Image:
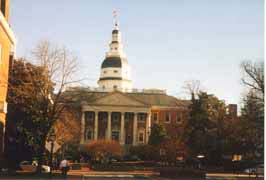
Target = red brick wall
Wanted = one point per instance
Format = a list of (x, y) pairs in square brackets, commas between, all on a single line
[(173, 128)]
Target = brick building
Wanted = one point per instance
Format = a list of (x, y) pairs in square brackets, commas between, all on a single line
[(7, 48), (128, 116), (116, 111)]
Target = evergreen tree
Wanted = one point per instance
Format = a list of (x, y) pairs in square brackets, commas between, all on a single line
[(252, 119), (204, 129), (158, 134)]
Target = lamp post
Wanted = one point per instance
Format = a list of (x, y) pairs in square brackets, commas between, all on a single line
[(200, 157), (51, 138)]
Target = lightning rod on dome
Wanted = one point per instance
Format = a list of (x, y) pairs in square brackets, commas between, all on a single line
[(115, 16)]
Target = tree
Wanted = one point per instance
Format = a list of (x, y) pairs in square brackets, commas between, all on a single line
[(252, 113), (204, 129), (44, 89), (67, 129), (252, 119), (19, 117), (253, 77), (192, 87), (158, 134)]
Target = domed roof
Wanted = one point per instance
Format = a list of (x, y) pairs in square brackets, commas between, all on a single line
[(115, 31), (111, 62)]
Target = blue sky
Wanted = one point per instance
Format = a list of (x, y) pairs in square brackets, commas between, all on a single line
[(166, 42)]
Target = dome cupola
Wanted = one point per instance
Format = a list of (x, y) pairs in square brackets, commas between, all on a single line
[(115, 70)]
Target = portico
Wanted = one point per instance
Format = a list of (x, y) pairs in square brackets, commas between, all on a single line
[(116, 117)]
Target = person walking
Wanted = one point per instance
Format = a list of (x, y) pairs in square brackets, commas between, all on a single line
[(64, 166)]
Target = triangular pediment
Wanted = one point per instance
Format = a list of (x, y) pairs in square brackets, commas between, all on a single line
[(117, 99)]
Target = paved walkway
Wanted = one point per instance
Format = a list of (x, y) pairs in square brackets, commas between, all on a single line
[(231, 176), (86, 171)]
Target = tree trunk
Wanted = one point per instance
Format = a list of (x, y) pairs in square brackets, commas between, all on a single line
[(40, 156)]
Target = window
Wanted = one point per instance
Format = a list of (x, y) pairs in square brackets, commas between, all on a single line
[(141, 137), (89, 116), (167, 117), (104, 72), (115, 135), (115, 71), (142, 118), (155, 116), (89, 135), (178, 119), (128, 139), (115, 119), (115, 86), (115, 48)]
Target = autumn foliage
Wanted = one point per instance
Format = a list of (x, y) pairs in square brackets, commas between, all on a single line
[(101, 150)]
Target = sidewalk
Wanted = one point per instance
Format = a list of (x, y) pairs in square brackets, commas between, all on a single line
[(230, 175), (87, 171)]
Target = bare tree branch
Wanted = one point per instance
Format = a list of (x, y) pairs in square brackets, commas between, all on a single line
[(192, 87), (254, 76)]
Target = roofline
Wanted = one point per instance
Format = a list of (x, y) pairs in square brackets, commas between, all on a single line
[(123, 94), (167, 107)]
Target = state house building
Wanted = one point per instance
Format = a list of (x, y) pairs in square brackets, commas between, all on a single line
[(119, 112)]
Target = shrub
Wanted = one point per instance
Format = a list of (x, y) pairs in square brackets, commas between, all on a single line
[(144, 152), (101, 150)]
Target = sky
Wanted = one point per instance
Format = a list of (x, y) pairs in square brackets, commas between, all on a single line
[(167, 42)]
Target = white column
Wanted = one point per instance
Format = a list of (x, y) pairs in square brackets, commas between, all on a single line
[(109, 133), (122, 127), (135, 128), (82, 127), (96, 126), (148, 127)]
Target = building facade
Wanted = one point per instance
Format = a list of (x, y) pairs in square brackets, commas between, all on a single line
[(118, 112), (7, 49), (127, 117)]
